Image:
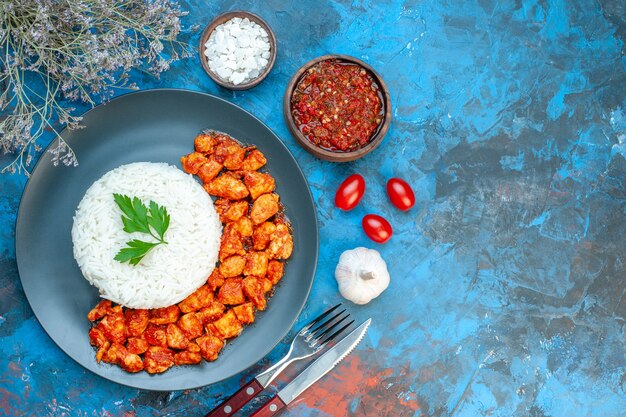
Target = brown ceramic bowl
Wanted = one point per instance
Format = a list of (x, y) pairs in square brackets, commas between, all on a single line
[(222, 19), (337, 156)]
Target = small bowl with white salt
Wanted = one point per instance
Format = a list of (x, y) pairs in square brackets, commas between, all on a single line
[(237, 50)]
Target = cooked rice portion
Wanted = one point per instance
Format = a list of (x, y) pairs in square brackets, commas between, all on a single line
[(169, 272)]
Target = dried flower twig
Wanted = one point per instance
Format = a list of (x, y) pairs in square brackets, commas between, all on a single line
[(57, 51)]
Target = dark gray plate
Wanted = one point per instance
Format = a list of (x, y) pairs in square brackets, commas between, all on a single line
[(155, 126)]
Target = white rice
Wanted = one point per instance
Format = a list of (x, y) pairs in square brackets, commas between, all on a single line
[(169, 272)]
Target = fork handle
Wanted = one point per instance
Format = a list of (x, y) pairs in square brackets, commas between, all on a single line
[(270, 408), (237, 400)]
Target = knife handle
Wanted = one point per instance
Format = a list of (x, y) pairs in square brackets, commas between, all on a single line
[(270, 408), (237, 400)]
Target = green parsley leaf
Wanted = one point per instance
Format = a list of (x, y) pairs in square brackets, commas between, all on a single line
[(134, 252), (159, 220), (137, 217), (135, 214)]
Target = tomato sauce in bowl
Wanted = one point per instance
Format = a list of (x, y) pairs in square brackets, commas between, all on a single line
[(337, 105)]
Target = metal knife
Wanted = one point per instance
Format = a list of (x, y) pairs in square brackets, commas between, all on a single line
[(313, 372)]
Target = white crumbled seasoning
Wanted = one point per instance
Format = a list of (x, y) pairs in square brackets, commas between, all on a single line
[(238, 50)]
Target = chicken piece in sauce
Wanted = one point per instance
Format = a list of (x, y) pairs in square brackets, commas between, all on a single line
[(158, 359), (243, 226), (230, 153), (113, 325), (187, 358), (210, 346), (258, 183), (100, 310), (281, 245), (190, 325), (255, 160), (115, 353), (204, 143), (102, 351), (232, 243), (176, 339), (227, 186), (97, 337), (230, 211), (209, 170), (221, 206), (256, 264), (245, 313), (263, 208), (165, 315), (275, 270), (262, 235), (198, 299), (132, 363), (267, 284), (156, 335), (193, 347), (211, 313), (118, 354), (211, 330), (231, 292), (215, 280), (136, 321), (232, 266), (192, 162), (228, 325), (254, 289), (137, 345)]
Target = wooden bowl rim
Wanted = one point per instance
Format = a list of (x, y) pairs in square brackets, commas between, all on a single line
[(323, 153), (222, 18)]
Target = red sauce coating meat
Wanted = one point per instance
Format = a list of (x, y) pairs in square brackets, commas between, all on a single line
[(255, 242)]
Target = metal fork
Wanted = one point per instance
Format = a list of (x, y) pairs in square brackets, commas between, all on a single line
[(307, 342), (310, 340)]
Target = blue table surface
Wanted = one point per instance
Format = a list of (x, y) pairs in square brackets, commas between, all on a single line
[(508, 289)]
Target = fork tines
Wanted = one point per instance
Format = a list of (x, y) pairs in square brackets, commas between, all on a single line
[(315, 331)]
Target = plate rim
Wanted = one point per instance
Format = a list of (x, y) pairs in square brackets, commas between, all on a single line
[(19, 219)]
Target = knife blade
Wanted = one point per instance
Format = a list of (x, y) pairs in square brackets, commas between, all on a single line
[(312, 373)]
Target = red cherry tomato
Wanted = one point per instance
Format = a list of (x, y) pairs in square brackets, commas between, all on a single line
[(377, 228), (350, 192), (400, 194)]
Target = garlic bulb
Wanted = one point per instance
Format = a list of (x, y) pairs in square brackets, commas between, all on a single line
[(361, 275)]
